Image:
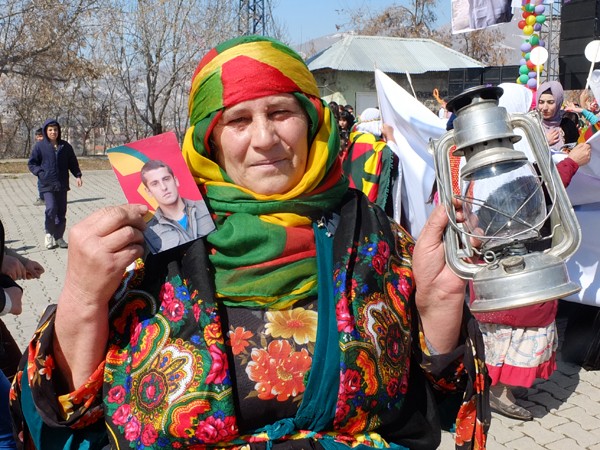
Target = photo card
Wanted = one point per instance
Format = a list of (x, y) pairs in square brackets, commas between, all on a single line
[(152, 171)]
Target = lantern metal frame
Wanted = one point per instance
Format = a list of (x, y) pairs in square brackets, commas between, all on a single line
[(511, 276)]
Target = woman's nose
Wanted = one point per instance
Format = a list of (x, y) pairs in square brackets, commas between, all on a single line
[(264, 133)]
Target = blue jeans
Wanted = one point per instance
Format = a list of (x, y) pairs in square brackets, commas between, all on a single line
[(56, 213), (6, 433)]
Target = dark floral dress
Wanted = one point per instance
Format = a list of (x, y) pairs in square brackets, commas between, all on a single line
[(183, 370)]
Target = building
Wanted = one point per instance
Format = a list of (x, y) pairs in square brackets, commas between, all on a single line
[(344, 70)]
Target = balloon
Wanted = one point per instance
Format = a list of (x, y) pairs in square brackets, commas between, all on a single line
[(523, 79), (526, 14), (530, 20), (526, 47), (528, 30), (521, 24), (530, 65), (519, 80), (541, 43), (537, 26), (527, 56), (531, 83), (541, 68), (534, 39), (540, 19), (529, 7), (523, 70), (522, 62), (539, 9), (532, 74)]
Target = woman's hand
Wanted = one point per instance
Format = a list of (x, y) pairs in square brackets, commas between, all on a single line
[(100, 249), (16, 297), (581, 154), (553, 136), (13, 267), (440, 293)]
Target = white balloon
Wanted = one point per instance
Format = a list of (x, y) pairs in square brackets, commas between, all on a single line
[(592, 51), (538, 56)]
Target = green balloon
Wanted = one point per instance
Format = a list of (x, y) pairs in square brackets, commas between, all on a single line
[(540, 19), (529, 7), (524, 78), (527, 55), (534, 40), (524, 70)]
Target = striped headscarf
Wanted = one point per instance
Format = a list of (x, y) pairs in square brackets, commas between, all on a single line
[(263, 249)]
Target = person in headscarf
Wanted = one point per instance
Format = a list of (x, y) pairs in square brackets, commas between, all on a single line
[(295, 324), (369, 162)]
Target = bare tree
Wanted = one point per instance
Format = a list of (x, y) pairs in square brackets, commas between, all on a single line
[(414, 20), (43, 38), (153, 48)]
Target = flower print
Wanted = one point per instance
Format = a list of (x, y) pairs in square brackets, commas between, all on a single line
[(392, 387), (182, 293), (149, 435), (379, 263), (369, 249), (167, 293), (174, 310), (213, 333), (196, 311), (214, 429), (465, 422), (383, 249), (218, 368), (299, 323), (345, 321), (47, 367), (116, 394), (238, 339), (350, 383), (132, 429), (278, 371), (121, 415)]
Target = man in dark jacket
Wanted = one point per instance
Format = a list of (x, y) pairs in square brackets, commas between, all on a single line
[(51, 161)]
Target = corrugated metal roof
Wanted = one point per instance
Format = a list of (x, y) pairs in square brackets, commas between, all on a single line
[(390, 55)]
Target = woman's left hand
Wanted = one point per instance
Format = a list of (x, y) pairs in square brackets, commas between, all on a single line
[(440, 293)]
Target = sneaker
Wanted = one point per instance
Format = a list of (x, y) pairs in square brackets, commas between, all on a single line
[(39, 202), (49, 241), (62, 243)]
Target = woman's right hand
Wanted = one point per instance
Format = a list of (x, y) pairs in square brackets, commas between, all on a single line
[(100, 249), (552, 136)]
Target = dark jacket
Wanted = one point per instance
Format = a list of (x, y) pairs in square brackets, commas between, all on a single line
[(52, 165)]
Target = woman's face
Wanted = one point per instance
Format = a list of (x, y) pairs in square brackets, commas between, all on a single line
[(262, 144), (547, 106)]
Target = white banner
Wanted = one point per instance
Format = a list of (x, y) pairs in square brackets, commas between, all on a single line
[(414, 124), (471, 15)]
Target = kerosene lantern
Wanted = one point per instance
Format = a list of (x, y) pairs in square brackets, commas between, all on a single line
[(518, 226)]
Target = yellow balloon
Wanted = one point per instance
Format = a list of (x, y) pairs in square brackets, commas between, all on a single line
[(540, 68), (519, 81), (528, 30), (530, 20)]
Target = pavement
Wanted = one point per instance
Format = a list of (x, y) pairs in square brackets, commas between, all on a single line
[(566, 407)]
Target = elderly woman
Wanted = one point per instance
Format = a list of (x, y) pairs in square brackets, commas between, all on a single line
[(294, 324)]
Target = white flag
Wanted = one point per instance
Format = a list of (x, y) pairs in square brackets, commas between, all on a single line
[(414, 124)]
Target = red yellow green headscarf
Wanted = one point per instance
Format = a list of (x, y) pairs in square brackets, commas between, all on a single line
[(263, 248)]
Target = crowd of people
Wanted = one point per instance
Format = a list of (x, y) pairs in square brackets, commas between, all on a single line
[(309, 317)]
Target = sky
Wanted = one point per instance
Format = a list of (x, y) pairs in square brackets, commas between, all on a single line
[(308, 19)]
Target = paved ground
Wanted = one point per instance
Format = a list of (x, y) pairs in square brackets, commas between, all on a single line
[(566, 407)]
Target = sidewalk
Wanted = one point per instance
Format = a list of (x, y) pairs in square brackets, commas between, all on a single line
[(566, 407)]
